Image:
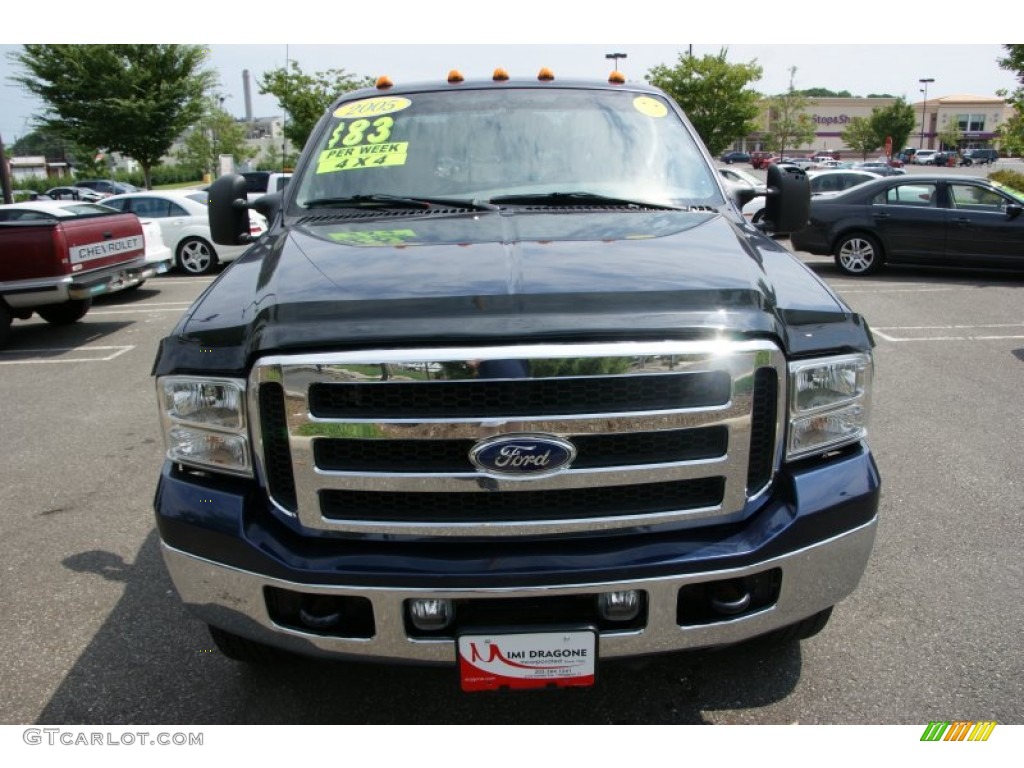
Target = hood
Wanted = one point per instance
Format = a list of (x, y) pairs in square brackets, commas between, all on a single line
[(418, 279)]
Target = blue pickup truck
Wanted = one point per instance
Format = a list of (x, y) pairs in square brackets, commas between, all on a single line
[(510, 384)]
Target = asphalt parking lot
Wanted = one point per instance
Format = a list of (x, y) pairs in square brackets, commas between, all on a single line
[(95, 634)]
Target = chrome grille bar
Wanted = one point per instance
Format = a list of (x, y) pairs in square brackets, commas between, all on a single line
[(372, 377)]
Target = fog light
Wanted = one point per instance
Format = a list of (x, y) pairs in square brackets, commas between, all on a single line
[(619, 606), (431, 615)]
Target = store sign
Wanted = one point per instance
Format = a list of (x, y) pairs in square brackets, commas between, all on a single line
[(831, 119)]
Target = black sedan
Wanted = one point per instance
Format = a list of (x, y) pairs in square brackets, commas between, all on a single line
[(735, 157), (941, 220), (74, 193)]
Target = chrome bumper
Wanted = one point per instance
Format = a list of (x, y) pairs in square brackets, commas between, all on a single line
[(116, 281), (28, 294), (813, 579)]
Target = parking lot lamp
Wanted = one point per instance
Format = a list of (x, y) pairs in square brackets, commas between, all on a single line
[(924, 104), (615, 57)]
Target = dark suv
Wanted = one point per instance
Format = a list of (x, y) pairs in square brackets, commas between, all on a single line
[(979, 157)]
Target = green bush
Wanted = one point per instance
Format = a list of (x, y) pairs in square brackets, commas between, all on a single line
[(1011, 179)]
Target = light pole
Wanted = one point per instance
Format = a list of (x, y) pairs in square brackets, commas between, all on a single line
[(615, 57), (924, 104)]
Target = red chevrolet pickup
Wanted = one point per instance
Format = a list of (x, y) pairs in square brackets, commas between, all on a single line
[(56, 256)]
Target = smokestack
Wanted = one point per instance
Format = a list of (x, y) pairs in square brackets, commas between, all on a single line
[(248, 95)]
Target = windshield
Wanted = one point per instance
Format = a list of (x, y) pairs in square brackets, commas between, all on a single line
[(484, 144)]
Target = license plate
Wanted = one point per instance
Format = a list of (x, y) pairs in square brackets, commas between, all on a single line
[(490, 662)]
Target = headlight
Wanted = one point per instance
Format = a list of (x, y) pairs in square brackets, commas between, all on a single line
[(204, 422), (828, 404)]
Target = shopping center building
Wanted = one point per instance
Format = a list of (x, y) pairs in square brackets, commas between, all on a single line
[(978, 117)]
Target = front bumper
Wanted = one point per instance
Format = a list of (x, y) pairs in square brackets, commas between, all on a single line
[(225, 555)]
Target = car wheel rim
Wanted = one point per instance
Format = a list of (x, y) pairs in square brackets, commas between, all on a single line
[(857, 255), (195, 257)]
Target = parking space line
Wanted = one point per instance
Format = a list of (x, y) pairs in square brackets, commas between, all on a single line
[(138, 311), (182, 280), (117, 352), (881, 332)]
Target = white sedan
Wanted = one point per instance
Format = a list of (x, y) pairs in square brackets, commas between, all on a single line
[(158, 255), (184, 221)]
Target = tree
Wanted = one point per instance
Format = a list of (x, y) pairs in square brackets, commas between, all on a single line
[(825, 93), (133, 99), (273, 160), (714, 94), (897, 120), (304, 98), (1011, 132), (860, 136), (216, 133), (950, 135), (789, 124)]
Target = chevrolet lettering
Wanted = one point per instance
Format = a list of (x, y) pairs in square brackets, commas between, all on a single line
[(523, 392)]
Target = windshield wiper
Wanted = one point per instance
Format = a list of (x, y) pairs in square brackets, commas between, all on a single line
[(396, 201), (577, 198)]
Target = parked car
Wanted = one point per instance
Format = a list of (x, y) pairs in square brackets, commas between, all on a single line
[(979, 157), (822, 182), (906, 156), (881, 167), (803, 163), (762, 159), (184, 221), (735, 157), (734, 176), (74, 193), (943, 220), (106, 187), (157, 256), (259, 183), (57, 255), (925, 157)]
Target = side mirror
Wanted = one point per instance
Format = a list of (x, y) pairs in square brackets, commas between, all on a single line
[(743, 195), (1013, 210), (229, 211), (789, 199)]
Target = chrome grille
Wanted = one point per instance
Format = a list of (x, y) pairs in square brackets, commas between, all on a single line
[(378, 441)]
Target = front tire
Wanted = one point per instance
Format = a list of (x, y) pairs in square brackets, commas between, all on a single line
[(196, 256), (66, 313), (858, 254)]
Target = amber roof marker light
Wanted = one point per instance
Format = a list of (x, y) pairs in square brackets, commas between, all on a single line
[(384, 82), (500, 75), (617, 78), (455, 77), (545, 74)]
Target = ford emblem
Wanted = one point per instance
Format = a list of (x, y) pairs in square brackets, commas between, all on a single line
[(522, 455)]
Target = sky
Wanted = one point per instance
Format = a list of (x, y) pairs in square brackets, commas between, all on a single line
[(422, 41)]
